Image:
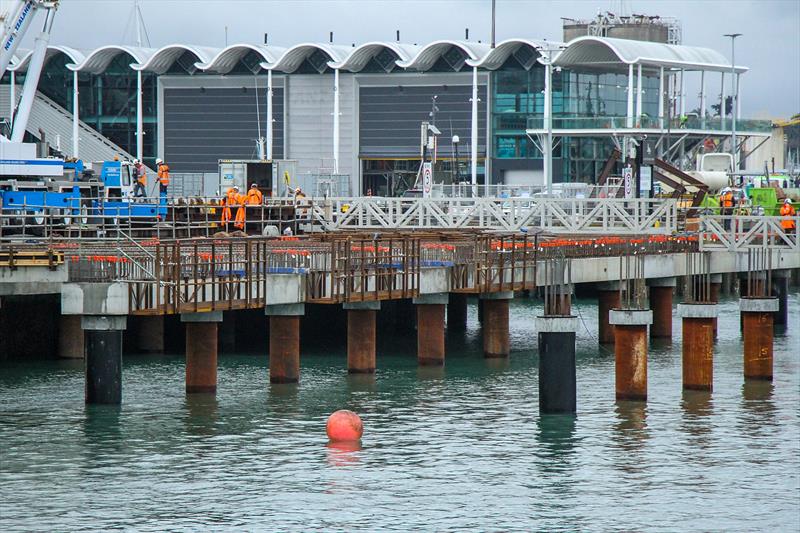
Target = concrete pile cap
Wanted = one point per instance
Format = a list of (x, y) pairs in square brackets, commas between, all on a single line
[(556, 324), (758, 305), (697, 310), (630, 317)]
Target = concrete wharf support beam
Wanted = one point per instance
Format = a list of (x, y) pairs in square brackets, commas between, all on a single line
[(201, 351), (457, 312), (284, 342), (607, 299), (361, 322), (557, 374), (661, 292), (103, 338), (70, 337), (630, 352), (757, 330), (698, 345), (430, 328), (496, 342)]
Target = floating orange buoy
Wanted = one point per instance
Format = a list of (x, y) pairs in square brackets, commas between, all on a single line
[(344, 425)]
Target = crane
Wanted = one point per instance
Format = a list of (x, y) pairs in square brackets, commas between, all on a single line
[(14, 30)]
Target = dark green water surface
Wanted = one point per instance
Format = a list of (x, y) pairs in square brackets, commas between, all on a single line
[(459, 448)]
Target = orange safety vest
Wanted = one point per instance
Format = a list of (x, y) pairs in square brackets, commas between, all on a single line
[(141, 175), (163, 174), (727, 199), (787, 211), (228, 202), (254, 197)]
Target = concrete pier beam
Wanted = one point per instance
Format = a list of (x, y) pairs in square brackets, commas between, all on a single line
[(70, 337), (698, 345), (607, 299), (557, 381), (201, 351), (430, 328), (456, 312), (103, 367), (496, 342), (284, 342), (661, 292), (630, 352), (757, 319), (361, 336)]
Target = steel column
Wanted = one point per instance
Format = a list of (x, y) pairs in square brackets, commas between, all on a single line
[(430, 334), (201, 357), (474, 129), (496, 341), (284, 349), (75, 116), (361, 341)]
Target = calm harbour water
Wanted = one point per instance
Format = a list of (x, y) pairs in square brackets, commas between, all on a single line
[(459, 448)]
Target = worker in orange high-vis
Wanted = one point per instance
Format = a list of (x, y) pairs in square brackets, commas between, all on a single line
[(254, 196), (229, 202), (726, 206), (788, 213), (241, 201), (163, 176)]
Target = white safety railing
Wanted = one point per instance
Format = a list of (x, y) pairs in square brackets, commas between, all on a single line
[(555, 215), (739, 233)]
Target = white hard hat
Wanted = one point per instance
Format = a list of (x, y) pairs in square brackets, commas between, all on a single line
[(135, 161), (787, 201), (159, 161)]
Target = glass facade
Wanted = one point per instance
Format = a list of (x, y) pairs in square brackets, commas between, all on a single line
[(107, 101), (581, 99)]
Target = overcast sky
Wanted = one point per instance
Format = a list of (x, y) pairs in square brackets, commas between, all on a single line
[(770, 45)]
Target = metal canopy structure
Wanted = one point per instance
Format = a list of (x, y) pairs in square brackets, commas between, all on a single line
[(429, 54), (163, 58), (361, 55), (607, 51), (293, 57), (226, 59), (497, 56), (23, 60), (97, 61)]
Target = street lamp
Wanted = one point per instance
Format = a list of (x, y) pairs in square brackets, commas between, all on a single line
[(735, 93)]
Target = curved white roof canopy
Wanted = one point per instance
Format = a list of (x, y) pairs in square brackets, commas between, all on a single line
[(226, 59), (429, 54), (98, 60), (605, 51), (498, 55), (293, 57), (24, 59), (359, 56), (162, 59)]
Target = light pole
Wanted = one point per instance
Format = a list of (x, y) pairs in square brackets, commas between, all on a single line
[(735, 97)]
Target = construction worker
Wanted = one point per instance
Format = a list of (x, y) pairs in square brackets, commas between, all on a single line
[(163, 176), (726, 205), (141, 179), (228, 202), (788, 213), (254, 196), (241, 201)]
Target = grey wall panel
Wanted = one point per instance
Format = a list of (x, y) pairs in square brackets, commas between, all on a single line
[(202, 125), (390, 117), (310, 142)]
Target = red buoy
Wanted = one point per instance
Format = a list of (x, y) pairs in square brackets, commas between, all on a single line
[(344, 425)]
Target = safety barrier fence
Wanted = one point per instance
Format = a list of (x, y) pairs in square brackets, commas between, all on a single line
[(740, 233), (555, 215), (57, 217)]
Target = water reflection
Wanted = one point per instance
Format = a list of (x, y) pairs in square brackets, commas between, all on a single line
[(103, 439), (497, 364), (430, 373), (556, 434), (344, 453), (631, 424), (757, 400), (201, 414), (361, 382), (698, 408)]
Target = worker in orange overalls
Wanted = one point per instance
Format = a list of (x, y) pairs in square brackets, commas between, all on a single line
[(163, 176), (228, 202), (241, 201), (788, 212), (726, 205), (254, 196)]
